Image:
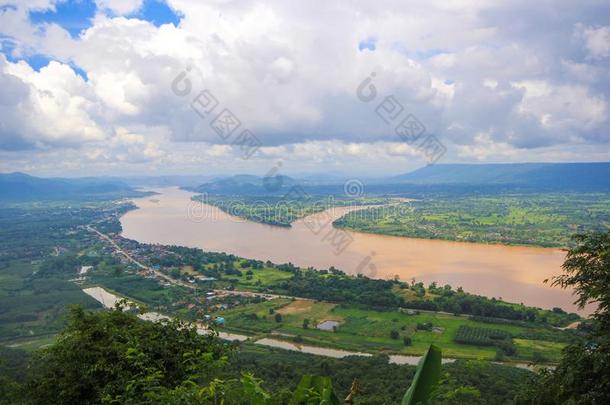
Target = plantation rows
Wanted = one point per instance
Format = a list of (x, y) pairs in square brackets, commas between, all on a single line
[(481, 336)]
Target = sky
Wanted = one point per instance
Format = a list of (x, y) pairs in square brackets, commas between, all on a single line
[(370, 88)]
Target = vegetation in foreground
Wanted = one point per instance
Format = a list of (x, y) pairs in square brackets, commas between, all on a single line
[(583, 374), (112, 356)]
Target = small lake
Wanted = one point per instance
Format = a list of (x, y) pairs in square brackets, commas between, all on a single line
[(513, 273), (328, 325)]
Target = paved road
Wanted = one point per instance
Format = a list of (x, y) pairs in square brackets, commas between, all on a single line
[(139, 264), (257, 294)]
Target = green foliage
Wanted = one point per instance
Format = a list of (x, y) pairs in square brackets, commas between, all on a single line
[(114, 356), (338, 287), (12, 370), (246, 390), (313, 390), (587, 270), (583, 375), (482, 308), (486, 337), (425, 379), (480, 336), (380, 382)]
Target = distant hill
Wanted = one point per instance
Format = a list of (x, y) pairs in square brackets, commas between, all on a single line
[(23, 187), (545, 175), (163, 180), (247, 184), (440, 179)]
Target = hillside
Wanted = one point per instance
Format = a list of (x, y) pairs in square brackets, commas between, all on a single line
[(23, 187), (247, 184), (547, 175)]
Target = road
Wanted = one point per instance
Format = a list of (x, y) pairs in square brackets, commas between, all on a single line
[(258, 294), (139, 264), (180, 282)]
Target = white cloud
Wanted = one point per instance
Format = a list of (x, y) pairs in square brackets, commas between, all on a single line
[(120, 7), (564, 107), (597, 41), (53, 106), (289, 72)]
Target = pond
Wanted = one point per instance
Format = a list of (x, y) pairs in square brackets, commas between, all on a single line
[(328, 325)]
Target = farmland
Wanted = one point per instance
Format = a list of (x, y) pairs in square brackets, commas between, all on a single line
[(514, 219), (381, 332)]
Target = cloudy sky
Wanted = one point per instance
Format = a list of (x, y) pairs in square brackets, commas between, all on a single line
[(188, 86)]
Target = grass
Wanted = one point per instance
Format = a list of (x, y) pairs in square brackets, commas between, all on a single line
[(31, 344), (260, 278), (550, 350)]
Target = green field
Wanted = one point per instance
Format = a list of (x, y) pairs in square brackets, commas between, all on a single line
[(528, 219), (258, 279)]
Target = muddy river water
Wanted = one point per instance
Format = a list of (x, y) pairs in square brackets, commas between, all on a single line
[(514, 273)]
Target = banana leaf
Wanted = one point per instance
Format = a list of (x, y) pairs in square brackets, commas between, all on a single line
[(426, 377), (315, 390)]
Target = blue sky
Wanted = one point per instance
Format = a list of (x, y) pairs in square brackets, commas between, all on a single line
[(88, 84), (76, 16)]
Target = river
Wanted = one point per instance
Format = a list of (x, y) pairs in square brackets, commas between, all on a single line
[(513, 273)]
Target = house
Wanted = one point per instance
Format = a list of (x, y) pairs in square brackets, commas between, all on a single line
[(204, 278)]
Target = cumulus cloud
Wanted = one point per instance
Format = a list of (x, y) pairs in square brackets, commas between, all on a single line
[(51, 107), (120, 7), (289, 73), (597, 41)]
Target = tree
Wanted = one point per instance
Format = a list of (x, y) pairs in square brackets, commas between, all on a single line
[(583, 374), (114, 356), (587, 271), (407, 341), (278, 317), (394, 334), (305, 323)]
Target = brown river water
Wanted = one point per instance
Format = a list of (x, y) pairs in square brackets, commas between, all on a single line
[(513, 273)]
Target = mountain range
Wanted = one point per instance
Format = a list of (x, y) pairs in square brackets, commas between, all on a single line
[(505, 177)]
